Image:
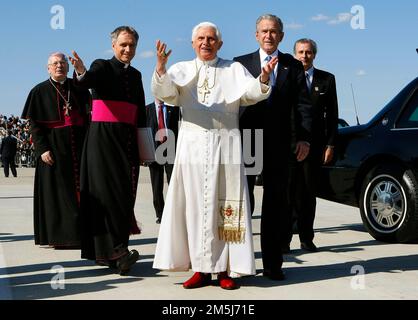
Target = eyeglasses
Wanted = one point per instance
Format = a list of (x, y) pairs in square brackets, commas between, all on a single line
[(56, 63)]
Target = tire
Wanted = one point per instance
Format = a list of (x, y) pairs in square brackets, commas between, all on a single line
[(389, 204)]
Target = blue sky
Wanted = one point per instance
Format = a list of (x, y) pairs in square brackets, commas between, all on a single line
[(378, 60)]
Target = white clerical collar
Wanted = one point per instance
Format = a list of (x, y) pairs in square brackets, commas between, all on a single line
[(263, 54), (125, 65), (60, 82), (210, 63)]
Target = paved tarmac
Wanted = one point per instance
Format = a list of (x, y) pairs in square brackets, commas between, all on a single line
[(351, 265)]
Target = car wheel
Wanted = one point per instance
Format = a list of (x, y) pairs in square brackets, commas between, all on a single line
[(389, 204)]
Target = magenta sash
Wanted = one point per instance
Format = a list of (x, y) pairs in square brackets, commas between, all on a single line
[(114, 111), (73, 120)]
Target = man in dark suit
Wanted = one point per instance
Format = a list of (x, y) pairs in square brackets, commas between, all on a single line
[(8, 154), (289, 96), (305, 174), (161, 117)]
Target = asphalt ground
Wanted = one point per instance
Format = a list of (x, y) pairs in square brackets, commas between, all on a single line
[(350, 265)]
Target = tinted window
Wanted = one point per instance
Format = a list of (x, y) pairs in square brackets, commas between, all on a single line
[(342, 123), (409, 117)]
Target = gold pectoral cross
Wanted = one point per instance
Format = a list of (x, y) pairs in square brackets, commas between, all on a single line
[(204, 90)]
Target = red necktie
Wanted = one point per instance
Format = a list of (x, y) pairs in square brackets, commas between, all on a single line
[(161, 126)]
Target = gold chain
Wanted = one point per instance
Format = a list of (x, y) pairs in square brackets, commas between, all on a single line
[(205, 83), (67, 106)]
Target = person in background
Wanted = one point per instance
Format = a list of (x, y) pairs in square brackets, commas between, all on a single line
[(8, 153), (165, 118), (305, 175)]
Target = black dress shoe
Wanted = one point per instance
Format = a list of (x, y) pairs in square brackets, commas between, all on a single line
[(158, 221), (125, 263), (308, 246), (107, 263), (295, 229), (274, 275), (285, 248)]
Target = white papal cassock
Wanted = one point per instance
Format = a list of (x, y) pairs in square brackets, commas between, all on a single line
[(208, 183)]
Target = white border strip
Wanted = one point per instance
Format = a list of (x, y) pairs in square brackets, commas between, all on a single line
[(5, 289)]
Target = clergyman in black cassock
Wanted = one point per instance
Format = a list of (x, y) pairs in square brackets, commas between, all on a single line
[(110, 164), (57, 112)]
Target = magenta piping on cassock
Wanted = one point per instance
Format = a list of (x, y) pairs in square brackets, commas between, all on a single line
[(114, 111)]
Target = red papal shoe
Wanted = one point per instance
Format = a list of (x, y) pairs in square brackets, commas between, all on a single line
[(226, 282), (198, 280)]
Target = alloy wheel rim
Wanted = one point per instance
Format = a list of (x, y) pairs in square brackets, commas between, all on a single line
[(386, 204)]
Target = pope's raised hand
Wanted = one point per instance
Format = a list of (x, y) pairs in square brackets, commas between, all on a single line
[(268, 68), (77, 63), (162, 57)]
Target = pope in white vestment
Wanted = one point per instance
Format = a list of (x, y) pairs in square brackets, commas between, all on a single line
[(206, 223)]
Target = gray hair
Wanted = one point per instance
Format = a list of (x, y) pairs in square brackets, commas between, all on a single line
[(270, 17), (307, 40), (204, 25), (115, 34), (57, 54)]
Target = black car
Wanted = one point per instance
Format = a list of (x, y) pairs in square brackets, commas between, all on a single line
[(375, 168), (342, 123)]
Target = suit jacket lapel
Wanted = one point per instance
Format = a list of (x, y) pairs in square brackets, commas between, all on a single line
[(254, 66), (315, 87), (256, 63), (168, 116), (282, 72), (154, 116)]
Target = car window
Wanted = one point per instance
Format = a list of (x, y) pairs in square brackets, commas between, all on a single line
[(409, 117), (342, 123)]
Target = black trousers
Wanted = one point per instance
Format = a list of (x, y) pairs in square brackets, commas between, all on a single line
[(9, 162), (157, 183), (303, 183), (275, 215), (251, 185)]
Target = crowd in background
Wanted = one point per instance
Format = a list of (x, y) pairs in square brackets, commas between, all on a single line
[(20, 130)]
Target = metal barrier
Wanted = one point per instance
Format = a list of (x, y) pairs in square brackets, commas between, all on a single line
[(25, 158)]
